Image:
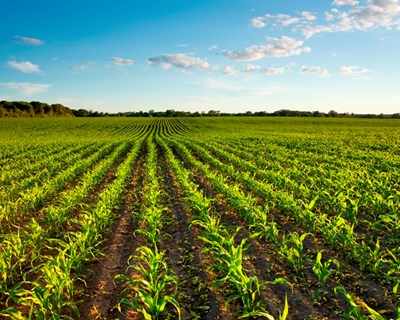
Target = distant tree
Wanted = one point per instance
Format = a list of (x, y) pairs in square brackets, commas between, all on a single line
[(213, 113), (332, 113), (3, 112), (260, 113), (38, 107), (60, 110), (81, 113), (170, 113)]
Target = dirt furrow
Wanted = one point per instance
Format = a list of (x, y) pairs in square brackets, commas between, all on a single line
[(183, 253), (101, 293)]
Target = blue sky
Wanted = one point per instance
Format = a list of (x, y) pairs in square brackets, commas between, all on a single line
[(227, 55)]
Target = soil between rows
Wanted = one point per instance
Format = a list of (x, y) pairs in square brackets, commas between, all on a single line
[(183, 251), (100, 294)]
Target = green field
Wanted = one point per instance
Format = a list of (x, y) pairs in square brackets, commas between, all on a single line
[(200, 218)]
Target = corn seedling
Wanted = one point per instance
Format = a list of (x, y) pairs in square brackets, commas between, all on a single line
[(324, 270), (154, 289), (292, 250), (355, 311)]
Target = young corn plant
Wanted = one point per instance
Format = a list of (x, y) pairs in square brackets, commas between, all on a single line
[(323, 269), (13, 255), (355, 311), (292, 249), (154, 289), (372, 259), (285, 312), (228, 260), (45, 302), (271, 232), (393, 274)]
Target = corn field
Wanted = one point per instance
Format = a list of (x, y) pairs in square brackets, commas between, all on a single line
[(200, 218)]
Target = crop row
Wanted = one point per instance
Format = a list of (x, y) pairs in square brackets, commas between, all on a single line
[(289, 245), (282, 224)]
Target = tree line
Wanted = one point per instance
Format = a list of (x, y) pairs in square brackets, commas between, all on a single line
[(19, 109), (34, 109), (214, 113)]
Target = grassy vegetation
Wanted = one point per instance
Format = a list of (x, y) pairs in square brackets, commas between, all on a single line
[(272, 217)]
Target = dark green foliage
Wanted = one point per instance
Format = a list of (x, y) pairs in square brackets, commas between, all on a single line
[(34, 109)]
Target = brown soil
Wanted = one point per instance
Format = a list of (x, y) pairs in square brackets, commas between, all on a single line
[(197, 301), (101, 293)]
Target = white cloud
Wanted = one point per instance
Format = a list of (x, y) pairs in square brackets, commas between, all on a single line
[(258, 22), (29, 41), (122, 61), (322, 72), (2, 98), (27, 88), (309, 16), (249, 68), (385, 5), (231, 71), (179, 60), (309, 30), (274, 47), (352, 70), (275, 71), (344, 2), (24, 66), (347, 15), (213, 47), (283, 20), (329, 16), (375, 14)]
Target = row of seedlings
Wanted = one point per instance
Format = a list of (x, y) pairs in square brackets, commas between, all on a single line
[(291, 248), (48, 292), (154, 287), (368, 252), (39, 173), (31, 165), (220, 243), (26, 244), (35, 197)]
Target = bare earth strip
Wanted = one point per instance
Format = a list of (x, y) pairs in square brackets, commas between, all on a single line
[(102, 294)]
